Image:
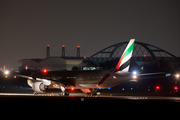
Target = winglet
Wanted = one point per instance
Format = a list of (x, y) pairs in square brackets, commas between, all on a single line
[(123, 63)]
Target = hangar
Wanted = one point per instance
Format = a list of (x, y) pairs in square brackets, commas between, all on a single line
[(146, 58)]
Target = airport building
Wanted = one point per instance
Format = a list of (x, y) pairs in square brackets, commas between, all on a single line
[(52, 63), (146, 58)]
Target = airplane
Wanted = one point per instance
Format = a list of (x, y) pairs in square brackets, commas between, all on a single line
[(89, 81)]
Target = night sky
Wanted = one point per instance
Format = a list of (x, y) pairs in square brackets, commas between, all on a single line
[(27, 26)]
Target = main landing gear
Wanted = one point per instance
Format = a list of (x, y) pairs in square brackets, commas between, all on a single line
[(63, 92), (93, 93)]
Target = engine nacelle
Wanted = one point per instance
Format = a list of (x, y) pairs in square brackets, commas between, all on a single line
[(30, 82), (37, 86)]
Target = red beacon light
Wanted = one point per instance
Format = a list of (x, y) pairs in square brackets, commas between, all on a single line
[(157, 87), (45, 71), (175, 88)]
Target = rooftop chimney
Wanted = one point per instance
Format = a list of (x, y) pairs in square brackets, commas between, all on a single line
[(48, 52), (63, 51), (78, 51)]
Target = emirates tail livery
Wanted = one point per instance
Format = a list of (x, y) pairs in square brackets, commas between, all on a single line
[(89, 81)]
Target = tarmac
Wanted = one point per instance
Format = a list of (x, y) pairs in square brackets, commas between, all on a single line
[(81, 99)]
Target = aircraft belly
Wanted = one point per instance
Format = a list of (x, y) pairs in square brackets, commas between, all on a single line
[(87, 83), (114, 81)]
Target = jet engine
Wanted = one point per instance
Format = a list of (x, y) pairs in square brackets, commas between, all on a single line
[(37, 86)]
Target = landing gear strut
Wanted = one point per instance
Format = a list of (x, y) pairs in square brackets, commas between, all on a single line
[(63, 92), (35, 93), (93, 93)]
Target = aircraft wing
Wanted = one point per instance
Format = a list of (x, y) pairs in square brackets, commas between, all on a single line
[(151, 75)]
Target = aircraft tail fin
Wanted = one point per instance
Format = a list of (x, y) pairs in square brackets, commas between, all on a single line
[(124, 62)]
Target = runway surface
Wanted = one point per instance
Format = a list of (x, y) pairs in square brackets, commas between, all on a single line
[(82, 99), (176, 99)]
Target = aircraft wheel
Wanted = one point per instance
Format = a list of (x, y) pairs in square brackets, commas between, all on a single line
[(35, 93)]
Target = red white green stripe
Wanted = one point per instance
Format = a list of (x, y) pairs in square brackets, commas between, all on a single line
[(127, 54)]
